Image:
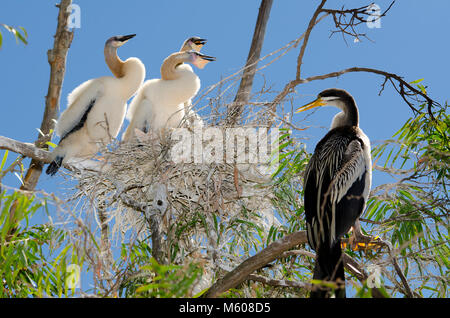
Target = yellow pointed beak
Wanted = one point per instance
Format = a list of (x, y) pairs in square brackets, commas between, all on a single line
[(318, 102)]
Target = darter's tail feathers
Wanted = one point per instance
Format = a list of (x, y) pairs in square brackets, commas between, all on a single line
[(329, 267), (54, 166)]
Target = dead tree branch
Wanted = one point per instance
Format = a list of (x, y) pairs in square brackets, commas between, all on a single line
[(289, 87), (278, 249), (25, 149), (346, 20), (57, 60), (267, 255), (311, 25), (408, 93), (37, 154), (245, 86)]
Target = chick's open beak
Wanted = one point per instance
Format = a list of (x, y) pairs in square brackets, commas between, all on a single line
[(199, 42), (203, 59), (317, 103)]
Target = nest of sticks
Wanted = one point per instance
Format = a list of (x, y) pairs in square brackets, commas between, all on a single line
[(200, 207), (208, 212)]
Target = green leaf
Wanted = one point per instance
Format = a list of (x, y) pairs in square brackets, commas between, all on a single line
[(422, 88), (416, 81), (20, 37), (5, 156), (51, 144), (24, 31)]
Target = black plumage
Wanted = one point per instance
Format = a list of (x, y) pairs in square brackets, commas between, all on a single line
[(336, 185), (81, 122), (57, 162), (54, 166)]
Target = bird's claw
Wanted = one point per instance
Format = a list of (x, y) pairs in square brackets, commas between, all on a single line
[(363, 242)]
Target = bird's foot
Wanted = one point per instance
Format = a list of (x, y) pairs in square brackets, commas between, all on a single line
[(360, 241)]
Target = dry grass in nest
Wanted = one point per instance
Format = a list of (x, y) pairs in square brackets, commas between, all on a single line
[(202, 206), (212, 213)]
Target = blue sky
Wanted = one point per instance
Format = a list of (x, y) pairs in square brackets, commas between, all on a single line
[(412, 42)]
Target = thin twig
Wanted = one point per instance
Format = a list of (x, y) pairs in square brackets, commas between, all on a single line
[(393, 258), (346, 26), (311, 25)]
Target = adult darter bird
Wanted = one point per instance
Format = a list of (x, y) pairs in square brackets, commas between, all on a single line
[(336, 187), (96, 109)]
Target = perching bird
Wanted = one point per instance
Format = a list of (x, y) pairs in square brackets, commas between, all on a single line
[(159, 103), (193, 43), (336, 187), (139, 111), (97, 107)]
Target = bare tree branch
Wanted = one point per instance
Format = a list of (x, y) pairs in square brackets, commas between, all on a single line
[(289, 87), (408, 93), (25, 149), (392, 255), (246, 83), (38, 154), (267, 255), (311, 25), (278, 249), (406, 90), (57, 60), (346, 26)]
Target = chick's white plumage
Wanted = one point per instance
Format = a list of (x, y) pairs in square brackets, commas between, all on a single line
[(162, 103), (96, 108)]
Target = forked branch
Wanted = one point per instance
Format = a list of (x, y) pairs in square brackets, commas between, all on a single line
[(408, 93), (346, 20)]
